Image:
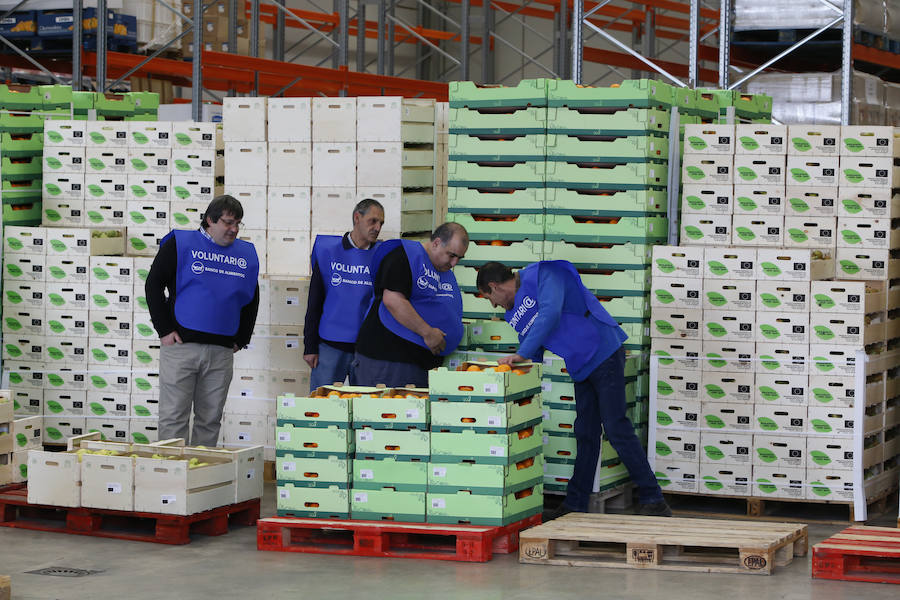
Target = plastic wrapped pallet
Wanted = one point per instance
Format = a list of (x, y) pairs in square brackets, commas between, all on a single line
[(806, 14)]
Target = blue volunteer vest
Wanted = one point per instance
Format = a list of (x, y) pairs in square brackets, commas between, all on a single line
[(435, 296), (213, 283), (574, 338), (347, 277)]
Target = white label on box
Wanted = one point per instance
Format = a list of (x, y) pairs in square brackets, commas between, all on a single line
[(291, 344), (167, 499), (285, 402), (545, 414), (498, 451), (284, 436), (412, 413), (438, 503), (494, 420), (244, 437), (477, 330), (292, 300), (365, 436), (366, 474), (284, 494), (251, 474), (289, 467), (360, 497), (546, 386), (439, 472), (545, 439), (491, 388), (114, 488)]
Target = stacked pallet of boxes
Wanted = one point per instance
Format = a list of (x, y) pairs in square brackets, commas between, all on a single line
[(486, 464), (756, 387), (23, 111), (18, 434)]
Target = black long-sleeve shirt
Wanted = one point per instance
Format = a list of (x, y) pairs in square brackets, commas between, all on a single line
[(315, 305), (161, 280)]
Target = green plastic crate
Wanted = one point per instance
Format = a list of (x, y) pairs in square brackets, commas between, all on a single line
[(485, 417), (485, 448), (528, 174), (387, 504), (616, 256), (478, 479), (512, 254), (625, 203), (23, 214), (491, 335), (626, 308), (325, 503), (313, 472), (501, 147), (467, 94), (644, 93), (486, 385), (562, 449), (476, 307), (600, 176), (315, 411), (22, 191), (474, 509), (18, 96), (26, 144), (706, 105), (629, 282), (23, 167), (384, 411), (641, 230), (493, 201), (145, 102), (403, 476), (602, 149), (638, 335), (56, 96), (510, 228), (114, 105), (21, 122), (631, 121), (311, 442), (523, 120), (409, 445), (684, 98)]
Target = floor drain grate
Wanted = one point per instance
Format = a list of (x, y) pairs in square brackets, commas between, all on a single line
[(62, 572)]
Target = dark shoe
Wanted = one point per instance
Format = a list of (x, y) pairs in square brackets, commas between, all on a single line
[(655, 509), (549, 515)]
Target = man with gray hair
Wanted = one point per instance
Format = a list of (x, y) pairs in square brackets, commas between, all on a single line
[(416, 317), (203, 297), (340, 291)]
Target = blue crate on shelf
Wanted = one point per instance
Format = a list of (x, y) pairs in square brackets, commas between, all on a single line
[(19, 24)]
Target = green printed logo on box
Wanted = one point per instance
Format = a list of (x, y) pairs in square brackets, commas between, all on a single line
[(100, 328), (662, 480), (716, 360), (801, 145), (96, 164), (695, 173), (800, 175), (53, 189), (766, 455), (21, 440), (97, 408), (183, 139), (138, 191), (55, 353), (95, 190), (100, 300), (55, 380), (820, 458), (145, 330), (664, 265), (745, 234), (94, 216), (663, 418), (140, 438), (798, 205), (770, 300), (766, 486), (139, 137), (15, 378), (662, 449), (850, 236), (53, 162), (101, 273), (823, 364), (54, 433), (14, 243), (56, 327), (852, 206), (99, 354), (52, 215), (820, 489), (823, 333), (97, 137), (822, 395), (13, 350), (748, 143), (695, 202), (712, 483), (58, 246), (663, 388), (54, 406), (182, 165), (746, 203), (769, 332), (713, 452), (696, 143), (849, 267), (664, 327), (54, 136), (768, 394), (820, 426), (746, 173), (824, 301), (142, 384), (143, 357), (716, 329), (693, 232), (717, 268), (770, 269), (665, 296), (137, 217), (664, 361), (142, 411), (14, 270), (853, 176), (767, 424), (853, 145), (13, 296), (23, 471), (142, 302), (57, 272), (714, 421), (716, 299), (182, 193), (137, 243), (98, 382), (138, 164)]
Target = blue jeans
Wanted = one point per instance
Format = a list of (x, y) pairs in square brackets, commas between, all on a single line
[(600, 407), (334, 365)]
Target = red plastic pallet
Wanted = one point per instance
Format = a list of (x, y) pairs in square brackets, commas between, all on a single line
[(869, 554), (469, 543), (15, 511)]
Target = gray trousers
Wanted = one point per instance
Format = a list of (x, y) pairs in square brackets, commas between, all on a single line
[(372, 371), (195, 375)]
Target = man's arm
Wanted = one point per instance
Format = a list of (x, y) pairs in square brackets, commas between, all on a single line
[(248, 321), (314, 306), (550, 304), (162, 272), (401, 309)]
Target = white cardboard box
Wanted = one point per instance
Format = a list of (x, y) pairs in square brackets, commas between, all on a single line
[(195, 189), (867, 233), (145, 382), (846, 297), (64, 159), (23, 320), (725, 448), (144, 241), (675, 413), (829, 453), (152, 161), (146, 213), (196, 162), (862, 264), (707, 169), (64, 133), (114, 354), (28, 401), (110, 429), (144, 431), (112, 297), (104, 213), (677, 476), (108, 187), (759, 200), (685, 353), (63, 213), (759, 169), (189, 134), (676, 323), (730, 387), (67, 268), (676, 293), (816, 202), (150, 134), (781, 418), (290, 164), (782, 327), (869, 172), (677, 261), (829, 484), (791, 264), (23, 267), (813, 171), (288, 253), (707, 199), (728, 356), (728, 294), (108, 324), (814, 140), (730, 263), (872, 203), (54, 478), (58, 429), (289, 208), (869, 140), (779, 482), (246, 163), (26, 433), (30, 294), (245, 429), (23, 374), (758, 138), (783, 296), (847, 329), (726, 416), (106, 134), (678, 445), (333, 164), (706, 230), (286, 347), (779, 451), (108, 404), (379, 164), (107, 160), (839, 391), (244, 119), (334, 119), (112, 269), (168, 486), (249, 384), (709, 139), (25, 240), (64, 186), (677, 385), (394, 119), (287, 300), (730, 480), (775, 389), (829, 359), (186, 215), (107, 482), (290, 119), (25, 347), (757, 230), (66, 349), (729, 325)]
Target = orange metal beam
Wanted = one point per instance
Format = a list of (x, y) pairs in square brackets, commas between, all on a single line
[(875, 56)]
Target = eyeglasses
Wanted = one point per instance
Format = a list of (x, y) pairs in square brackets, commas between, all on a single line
[(230, 222)]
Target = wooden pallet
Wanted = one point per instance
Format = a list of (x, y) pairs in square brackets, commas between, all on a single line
[(859, 554), (5, 587), (469, 543), (700, 545), (15, 511)]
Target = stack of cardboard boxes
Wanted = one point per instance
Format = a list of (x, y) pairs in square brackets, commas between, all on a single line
[(18, 435), (215, 26)]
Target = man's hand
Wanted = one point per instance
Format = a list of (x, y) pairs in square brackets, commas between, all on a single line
[(512, 358), (235, 348), (170, 339), (312, 360), (435, 340)]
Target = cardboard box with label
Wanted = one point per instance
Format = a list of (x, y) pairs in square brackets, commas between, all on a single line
[(23, 374), (144, 430), (707, 199), (782, 359), (111, 270), (765, 200), (201, 190), (869, 172), (677, 261), (678, 385), (107, 161), (101, 404), (64, 186), (793, 264), (67, 350), (779, 482), (803, 201), (104, 213), (781, 327), (728, 325), (24, 294), (759, 169), (757, 230), (68, 241), (142, 213), (869, 140), (727, 387), (871, 203), (781, 419), (707, 169), (676, 323), (23, 320), (843, 297), (110, 428), (54, 478), (64, 159), (830, 453), (760, 138), (685, 354), (727, 356), (25, 240), (813, 171), (157, 134), (709, 139), (64, 402), (145, 382), (779, 451), (725, 448), (729, 294), (171, 487), (881, 234), (27, 401), (810, 232), (814, 140), (706, 230), (781, 389), (864, 264), (21, 346), (58, 429), (676, 293), (188, 134), (847, 329), (730, 480), (64, 133), (289, 119), (836, 420), (676, 476), (678, 445), (108, 187), (730, 263), (676, 413), (23, 267), (152, 162), (288, 208), (245, 429), (727, 417), (783, 297), (830, 484)]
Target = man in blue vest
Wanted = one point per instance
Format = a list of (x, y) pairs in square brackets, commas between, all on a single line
[(202, 294), (549, 307), (416, 315), (335, 310)]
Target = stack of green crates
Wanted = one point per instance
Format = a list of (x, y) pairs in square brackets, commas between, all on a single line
[(130, 106), (560, 448), (393, 445), (486, 463), (748, 108), (496, 178), (23, 110), (314, 453)]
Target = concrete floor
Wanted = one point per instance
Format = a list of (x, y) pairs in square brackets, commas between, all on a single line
[(230, 567)]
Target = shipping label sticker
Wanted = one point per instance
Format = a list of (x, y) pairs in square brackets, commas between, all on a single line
[(360, 497), (251, 474), (284, 436), (284, 494), (439, 472), (114, 488), (288, 402), (365, 436), (477, 330), (366, 474), (167, 499), (491, 388), (291, 344), (494, 420), (412, 413), (497, 451), (546, 386), (244, 437), (548, 362), (292, 300), (289, 467), (438, 503)]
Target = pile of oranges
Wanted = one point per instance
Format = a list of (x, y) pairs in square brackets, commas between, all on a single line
[(497, 369)]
